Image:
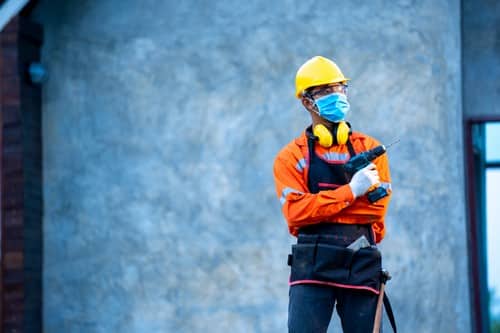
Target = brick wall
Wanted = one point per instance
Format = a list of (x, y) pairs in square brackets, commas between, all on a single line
[(20, 177)]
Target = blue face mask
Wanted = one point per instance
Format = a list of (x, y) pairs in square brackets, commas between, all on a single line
[(333, 107)]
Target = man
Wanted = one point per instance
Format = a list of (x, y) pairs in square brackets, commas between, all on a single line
[(328, 210)]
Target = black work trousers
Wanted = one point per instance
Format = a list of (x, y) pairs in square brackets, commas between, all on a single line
[(311, 306)]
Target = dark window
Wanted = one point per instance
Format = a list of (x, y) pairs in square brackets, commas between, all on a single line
[(484, 227), (492, 174)]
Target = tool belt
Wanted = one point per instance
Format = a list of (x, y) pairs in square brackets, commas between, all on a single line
[(321, 254)]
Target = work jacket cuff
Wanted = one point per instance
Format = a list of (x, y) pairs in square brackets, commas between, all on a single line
[(344, 194)]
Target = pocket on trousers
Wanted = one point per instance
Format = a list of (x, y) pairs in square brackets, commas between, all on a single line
[(302, 261), (332, 263)]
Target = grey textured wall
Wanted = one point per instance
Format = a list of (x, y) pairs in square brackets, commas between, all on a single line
[(481, 57), (161, 122)]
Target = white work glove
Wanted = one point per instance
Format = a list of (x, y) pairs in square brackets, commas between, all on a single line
[(364, 179)]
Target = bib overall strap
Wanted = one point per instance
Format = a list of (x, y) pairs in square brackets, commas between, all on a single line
[(352, 152), (310, 147)]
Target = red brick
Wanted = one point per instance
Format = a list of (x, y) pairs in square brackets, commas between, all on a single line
[(12, 26), (11, 90), (15, 221), (13, 293), (13, 276), (11, 102), (12, 135), (10, 62), (11, 115), (13, 183), (13, 217), (12, 164), (13, 260), (9, 39), (12, 149), (14, 307), (13, 200)]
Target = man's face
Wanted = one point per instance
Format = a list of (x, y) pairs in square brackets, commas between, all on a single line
[(319, 91)]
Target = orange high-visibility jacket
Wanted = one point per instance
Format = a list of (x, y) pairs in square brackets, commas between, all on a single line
[(302, 208)]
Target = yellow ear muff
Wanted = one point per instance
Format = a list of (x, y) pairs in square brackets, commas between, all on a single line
[(324, 135), (343, 131)]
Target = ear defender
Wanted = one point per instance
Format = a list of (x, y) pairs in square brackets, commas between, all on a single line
[(327, 138), (343, 130)]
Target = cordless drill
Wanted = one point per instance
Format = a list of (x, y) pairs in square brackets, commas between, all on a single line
[(360, 161)]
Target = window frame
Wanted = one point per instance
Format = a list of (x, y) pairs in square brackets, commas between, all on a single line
[(475, 168)]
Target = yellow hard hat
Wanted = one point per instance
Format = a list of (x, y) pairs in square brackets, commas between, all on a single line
[(315, 72)]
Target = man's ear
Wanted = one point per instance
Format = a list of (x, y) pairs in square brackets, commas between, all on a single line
[(308, 104)]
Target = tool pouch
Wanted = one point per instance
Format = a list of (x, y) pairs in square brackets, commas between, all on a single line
[(366, 267), (332, 263), (336, 264)]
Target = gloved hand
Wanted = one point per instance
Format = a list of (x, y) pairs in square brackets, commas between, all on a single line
[(364, 179)]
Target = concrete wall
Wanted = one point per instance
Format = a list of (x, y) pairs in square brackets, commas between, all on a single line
[(161, 122)]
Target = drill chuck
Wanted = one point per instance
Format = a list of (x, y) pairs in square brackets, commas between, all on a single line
[(375, 152)]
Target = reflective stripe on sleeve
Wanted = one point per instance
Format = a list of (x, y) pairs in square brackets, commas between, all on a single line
[(285, 192), (301, 164), (335, 156)]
